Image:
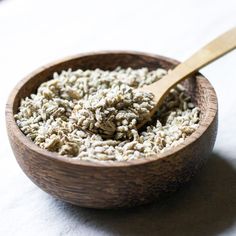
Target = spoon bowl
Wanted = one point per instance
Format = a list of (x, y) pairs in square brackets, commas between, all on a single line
[(114, 184)]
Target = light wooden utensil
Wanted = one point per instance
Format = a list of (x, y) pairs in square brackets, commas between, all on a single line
[(215, 49)]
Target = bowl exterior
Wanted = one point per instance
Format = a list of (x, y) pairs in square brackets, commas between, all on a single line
[(108, 187)]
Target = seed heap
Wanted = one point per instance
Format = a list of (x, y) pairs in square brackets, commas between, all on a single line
[(92, 115), (114, 112)]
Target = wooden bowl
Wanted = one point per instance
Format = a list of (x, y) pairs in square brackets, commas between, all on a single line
[(116, 184)]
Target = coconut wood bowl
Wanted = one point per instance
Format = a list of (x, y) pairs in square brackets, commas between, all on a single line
[(113, 184)]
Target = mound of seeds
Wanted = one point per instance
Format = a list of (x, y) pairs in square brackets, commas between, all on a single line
[(113, 113), (92, 115)]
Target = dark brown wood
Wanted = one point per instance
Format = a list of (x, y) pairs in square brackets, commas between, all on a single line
[(116, 184)]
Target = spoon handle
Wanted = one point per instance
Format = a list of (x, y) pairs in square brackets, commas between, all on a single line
[(215, 49)]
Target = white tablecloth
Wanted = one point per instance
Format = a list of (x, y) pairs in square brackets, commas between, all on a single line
[(33, 33)]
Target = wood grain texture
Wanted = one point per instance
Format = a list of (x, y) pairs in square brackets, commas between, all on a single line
[(116, 184)]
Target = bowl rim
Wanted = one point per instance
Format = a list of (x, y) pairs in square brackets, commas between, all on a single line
[(11, 124)]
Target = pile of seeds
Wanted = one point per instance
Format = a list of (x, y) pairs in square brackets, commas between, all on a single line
[(92, 115), (114, 112)]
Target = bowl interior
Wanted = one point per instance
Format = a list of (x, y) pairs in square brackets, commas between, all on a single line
[(198, 87)]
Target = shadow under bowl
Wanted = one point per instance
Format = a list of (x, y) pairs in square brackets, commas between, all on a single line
[(113, 184)]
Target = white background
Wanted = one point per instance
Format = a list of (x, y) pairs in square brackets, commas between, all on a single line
[(33, 33)]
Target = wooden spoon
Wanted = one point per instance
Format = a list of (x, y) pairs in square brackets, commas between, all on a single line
[(215, 49)]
